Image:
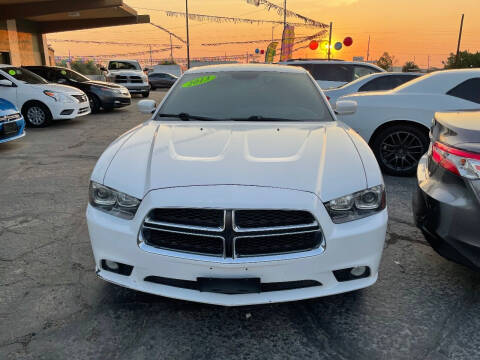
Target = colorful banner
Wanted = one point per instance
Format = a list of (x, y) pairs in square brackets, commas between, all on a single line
[(288, 39), (271, 51)]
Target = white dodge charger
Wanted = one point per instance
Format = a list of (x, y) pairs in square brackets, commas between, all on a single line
[(241, 189)]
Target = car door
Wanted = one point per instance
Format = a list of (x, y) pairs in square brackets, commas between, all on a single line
[(8, 92)]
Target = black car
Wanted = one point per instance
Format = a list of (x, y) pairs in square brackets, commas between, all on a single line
[(446, 204), (161, 80), (101, 94)]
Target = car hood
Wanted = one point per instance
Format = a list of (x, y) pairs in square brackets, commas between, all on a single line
[(7, 108), (309, 157), (58, 87), (102, 83)]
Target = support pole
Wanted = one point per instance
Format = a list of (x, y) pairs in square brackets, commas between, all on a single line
[(188, 36), (330, 41), (459, 40)]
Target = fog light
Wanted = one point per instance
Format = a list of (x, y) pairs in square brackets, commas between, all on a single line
[(353, 273), (358, 271), (112, 265), (116, 267)]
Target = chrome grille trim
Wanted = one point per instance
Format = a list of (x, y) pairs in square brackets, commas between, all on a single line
[(232, 233), (148, 220)]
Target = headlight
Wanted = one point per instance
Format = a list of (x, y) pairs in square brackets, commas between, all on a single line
[(112, 201), (357, 205), (58, 96), (108, 89)]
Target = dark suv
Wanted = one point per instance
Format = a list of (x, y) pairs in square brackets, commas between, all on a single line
[(101, 94)]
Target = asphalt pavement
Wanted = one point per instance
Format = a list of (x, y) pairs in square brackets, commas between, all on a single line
[(52, 306)]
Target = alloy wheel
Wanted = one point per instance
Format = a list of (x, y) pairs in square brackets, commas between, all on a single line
[(36, 115), (401, 150)]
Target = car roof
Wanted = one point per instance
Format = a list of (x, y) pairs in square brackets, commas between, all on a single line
[(439, 81), (246, 67), (124, 60), (325, 61)]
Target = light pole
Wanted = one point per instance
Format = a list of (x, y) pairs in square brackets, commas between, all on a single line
[(188, 36)]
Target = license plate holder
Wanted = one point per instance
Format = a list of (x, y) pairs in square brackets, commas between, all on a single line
[(9, 128), (229, 286)]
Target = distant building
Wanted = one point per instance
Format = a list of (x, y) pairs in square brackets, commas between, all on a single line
[(24, 23)]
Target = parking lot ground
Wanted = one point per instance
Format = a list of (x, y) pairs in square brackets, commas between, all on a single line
[(52, 306)]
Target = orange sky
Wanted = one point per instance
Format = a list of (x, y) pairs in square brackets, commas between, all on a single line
[(408, 29)]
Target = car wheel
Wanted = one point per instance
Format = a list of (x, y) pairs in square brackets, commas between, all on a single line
[(398, 149), (37, 115), (94, 103), (146, 94)]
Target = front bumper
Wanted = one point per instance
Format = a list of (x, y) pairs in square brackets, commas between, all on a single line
[(446, 209), (115, 100), (358, 243), (13, 136), (137, 88), (63, 111)]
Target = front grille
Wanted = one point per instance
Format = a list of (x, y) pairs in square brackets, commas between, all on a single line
[(83, 110), (136, 79), (272, 218), (190, 217), (184, 242), (264, 287), (276, 244), (231, 233), (121, 79), (81, 98)]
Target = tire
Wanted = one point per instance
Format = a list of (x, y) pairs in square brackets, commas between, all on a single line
[(398, 149), (36, 114), (152, 87), (146, 94), (94, 103)]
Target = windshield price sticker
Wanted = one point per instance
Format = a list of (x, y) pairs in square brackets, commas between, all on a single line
[(12, 72), (199, 81), (63, 72)]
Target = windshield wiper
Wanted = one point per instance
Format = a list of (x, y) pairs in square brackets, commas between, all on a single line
[(187, 117), (261, 118)]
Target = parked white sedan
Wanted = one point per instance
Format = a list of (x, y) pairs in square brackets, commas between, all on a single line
[(39, 101), (396, 123), (242, 189), (373, 82)]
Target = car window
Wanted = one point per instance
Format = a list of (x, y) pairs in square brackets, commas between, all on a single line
[(387, 82), (360, 71), (328, 72), (158, 76), (468, 90), (121, 65), (243, 94), (40, 72), (23, 75)]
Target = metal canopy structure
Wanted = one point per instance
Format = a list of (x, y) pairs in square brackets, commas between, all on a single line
[(65, 15)]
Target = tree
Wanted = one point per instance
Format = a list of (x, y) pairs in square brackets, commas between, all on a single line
[(386, 61), (465, 60), (86, 68), (410, 66)]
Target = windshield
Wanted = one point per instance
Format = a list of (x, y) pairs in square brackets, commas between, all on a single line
[(73, 75), (122, 65), (23, 75), (251, 95)]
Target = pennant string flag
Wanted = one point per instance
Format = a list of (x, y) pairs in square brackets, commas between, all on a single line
[(280, 10), (169, 32)]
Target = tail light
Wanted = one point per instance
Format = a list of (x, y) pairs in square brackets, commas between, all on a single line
[(459, 162)]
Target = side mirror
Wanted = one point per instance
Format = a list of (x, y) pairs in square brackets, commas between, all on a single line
[(346, 107), (6, 83), (147, 106)]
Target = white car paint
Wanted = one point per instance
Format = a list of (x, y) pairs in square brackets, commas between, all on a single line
[(238, 165), (329, 84), (22, 93), (128, 75), (415, 101), (333, 94)]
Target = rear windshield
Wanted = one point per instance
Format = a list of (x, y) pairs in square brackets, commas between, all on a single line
[(122, 65), (244, 94), (24, 75), (328, 72)]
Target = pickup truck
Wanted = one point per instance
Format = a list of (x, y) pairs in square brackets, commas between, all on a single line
[(128, 73)]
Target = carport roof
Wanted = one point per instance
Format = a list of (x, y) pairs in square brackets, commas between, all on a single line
[(65, 15)]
